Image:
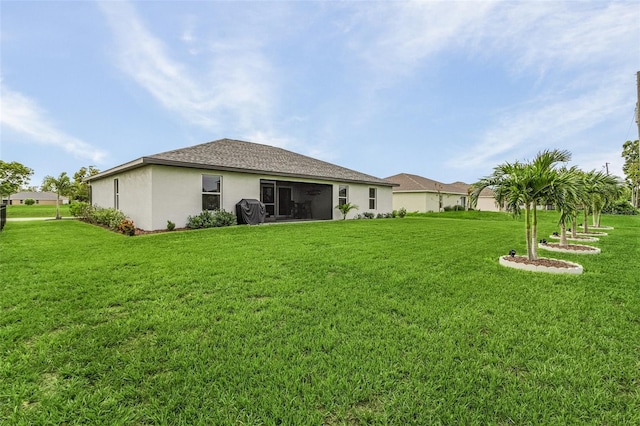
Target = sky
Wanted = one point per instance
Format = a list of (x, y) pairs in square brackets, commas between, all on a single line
[(442, 89)]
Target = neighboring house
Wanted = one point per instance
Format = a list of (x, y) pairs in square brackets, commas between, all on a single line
[(487, 202), (176, 184), (46, 198), (419, 194)]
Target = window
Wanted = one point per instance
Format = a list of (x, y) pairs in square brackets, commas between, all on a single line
[(343, 194), (116, 194), (211, 189), (372, 198)]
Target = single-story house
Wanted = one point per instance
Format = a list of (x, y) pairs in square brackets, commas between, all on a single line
[(176, 184), (45, 198), (419, 194)]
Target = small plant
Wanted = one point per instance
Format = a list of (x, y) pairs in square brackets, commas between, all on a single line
[(346, 208), (379, 216), (402, 212), (368, 215), (127, 227), (170, 226), (29, 201), (394, 214)]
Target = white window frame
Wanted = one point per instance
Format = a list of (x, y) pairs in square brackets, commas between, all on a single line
[(346, 194), (218, 193), (116, 194), (373, 200)]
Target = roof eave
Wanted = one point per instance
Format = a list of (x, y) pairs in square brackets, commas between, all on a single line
[(143, 161)]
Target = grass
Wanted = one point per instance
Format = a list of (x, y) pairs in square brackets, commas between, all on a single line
[(20, 211), (390, 321)]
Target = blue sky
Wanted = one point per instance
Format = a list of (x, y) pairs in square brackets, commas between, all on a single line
[(445, 90)]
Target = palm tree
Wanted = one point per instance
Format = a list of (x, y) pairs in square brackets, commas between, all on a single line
[(599, 189), (346, 208), (524, 184), (565, 196), (61, 186)]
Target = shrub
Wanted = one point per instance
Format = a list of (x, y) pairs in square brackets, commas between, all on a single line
[(214, 219), (402, 212), (368, 215), (29, 201), (81, 209), (170, 226), (394, 213), (127, 227), (109, 217), (620, 207)]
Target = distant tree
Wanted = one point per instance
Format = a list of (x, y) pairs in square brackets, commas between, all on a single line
[(13, 176), (631, 169), (80, 187), (61, 186)]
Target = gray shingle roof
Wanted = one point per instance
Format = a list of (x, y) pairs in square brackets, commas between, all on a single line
[(235, 155), (41, 196), (409, 182), (415, 183)]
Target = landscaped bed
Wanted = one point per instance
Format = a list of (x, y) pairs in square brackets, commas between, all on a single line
[(389, 321)]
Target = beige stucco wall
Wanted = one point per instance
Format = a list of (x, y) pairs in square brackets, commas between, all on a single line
[(359, 195), (153, 194), (487, 204), (424, 201)]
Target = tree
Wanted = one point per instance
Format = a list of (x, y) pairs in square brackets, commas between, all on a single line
[(80, 187), (61, 186), (631, 169), (346, 208), (599, 190), (524, 185), (13, 176), (565, 196)]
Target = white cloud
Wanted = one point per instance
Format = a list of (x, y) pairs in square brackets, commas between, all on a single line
[(233, 90), (548, 122), (23, 115)]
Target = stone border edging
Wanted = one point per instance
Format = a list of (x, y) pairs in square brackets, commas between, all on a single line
[(595, 250), (576, 269), (595, 234), (587, 239)]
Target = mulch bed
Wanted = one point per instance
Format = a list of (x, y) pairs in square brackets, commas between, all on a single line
[(159, 231), (539, 262), (572, 247)]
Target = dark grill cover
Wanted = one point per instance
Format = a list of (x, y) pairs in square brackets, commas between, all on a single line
[(251, 212)]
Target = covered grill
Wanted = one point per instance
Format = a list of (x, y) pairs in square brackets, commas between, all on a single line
[(250, 212)]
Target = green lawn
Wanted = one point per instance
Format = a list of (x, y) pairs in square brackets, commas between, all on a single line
[(16, 211), (388, 321)]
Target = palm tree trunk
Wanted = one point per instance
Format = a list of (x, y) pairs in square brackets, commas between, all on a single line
[(57, 206), (585, 226), (563, 235), (534, 231), (527, 219), (574, 225)]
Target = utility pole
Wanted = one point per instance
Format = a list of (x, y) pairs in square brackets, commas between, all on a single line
[(637, 184)]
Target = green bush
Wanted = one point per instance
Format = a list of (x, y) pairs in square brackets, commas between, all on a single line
[(81, 209), (402, 212), (621, 207), (208, 219), (170, 226), (29, 201)]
